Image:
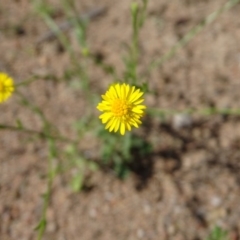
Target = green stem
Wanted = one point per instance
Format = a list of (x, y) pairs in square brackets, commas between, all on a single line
[(204, 111), (39, 133), (30, 80), (47, 195)]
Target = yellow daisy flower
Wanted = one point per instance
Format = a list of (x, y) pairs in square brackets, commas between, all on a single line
[(6, 87), (121, 107)]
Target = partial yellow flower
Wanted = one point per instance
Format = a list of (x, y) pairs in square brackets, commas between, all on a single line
[(121, 107), (6, 87)]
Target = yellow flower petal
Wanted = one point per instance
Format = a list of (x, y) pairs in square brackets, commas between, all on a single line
[(136, 96), (105, 117), (6, 87), (122, 108), (122, 129), (117, 125), (113, 124), (138, 101)]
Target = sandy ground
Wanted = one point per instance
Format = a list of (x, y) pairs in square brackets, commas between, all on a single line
[(190, 181)]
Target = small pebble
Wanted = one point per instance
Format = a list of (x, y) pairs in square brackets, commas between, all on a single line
[(216, 201), (108, 196), (93, 213), (182, 120), (147, 209), (140, 233)]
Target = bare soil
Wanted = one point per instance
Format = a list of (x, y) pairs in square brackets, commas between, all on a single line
[(191, 180)]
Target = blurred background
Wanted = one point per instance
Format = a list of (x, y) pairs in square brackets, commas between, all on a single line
[(176, 177)]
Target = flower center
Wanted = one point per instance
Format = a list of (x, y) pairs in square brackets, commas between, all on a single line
[(120, 108)]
